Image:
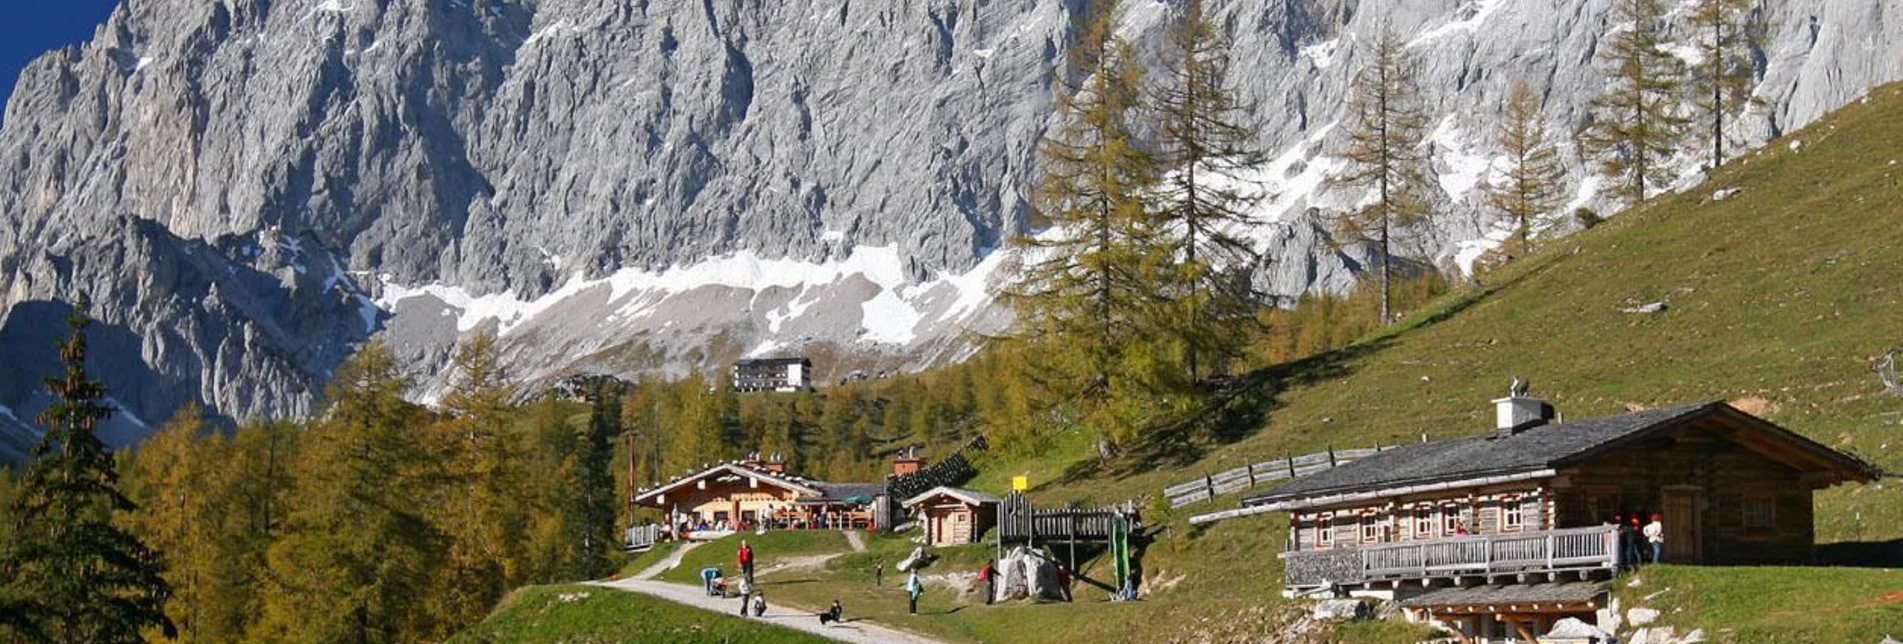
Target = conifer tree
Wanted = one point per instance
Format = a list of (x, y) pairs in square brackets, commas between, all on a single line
[(589, 512), (1636, 123), (1386, 152), (476, 453), (1080, 295), (1727, 32), (1530, 187), (355, 564), (1204, 143), (69, 573)]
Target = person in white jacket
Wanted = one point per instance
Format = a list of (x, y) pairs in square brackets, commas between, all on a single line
[(1655, 535)]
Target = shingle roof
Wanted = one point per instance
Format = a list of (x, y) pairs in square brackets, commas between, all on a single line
[(1476, 456), (973, 497), (843, 491), (1566, 591)]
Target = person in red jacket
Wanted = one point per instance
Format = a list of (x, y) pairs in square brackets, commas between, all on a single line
[(989, 575), (746, 560)]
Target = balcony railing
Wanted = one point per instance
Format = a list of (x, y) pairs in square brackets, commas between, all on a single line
[(642, 537), (1572, 549)]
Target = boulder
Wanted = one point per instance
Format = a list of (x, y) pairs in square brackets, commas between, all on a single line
[(1342, 609), (1641, 616)]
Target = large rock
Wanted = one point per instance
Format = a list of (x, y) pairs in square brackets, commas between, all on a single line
[(819, 176), (1341, 609)]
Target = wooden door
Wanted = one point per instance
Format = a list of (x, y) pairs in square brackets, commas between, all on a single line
[(1684, 539)]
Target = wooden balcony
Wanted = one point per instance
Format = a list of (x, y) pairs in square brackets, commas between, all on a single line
[(1482, 557)]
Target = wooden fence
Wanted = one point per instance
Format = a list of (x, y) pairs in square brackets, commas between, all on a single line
[(1591, 548), (1019, 522), (641, 537), (1248, 476)]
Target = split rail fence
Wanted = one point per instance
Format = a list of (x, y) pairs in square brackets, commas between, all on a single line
[(1248, 476)]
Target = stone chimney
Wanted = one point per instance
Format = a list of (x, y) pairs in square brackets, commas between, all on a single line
[(1520, 411), (752, 461), (776, 465)]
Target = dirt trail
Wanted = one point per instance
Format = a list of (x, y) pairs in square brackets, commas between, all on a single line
[(856, 632), (673, 559)]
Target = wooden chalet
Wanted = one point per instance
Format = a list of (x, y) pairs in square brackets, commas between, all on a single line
[(1502, 534), (953, 516), (742, 495)]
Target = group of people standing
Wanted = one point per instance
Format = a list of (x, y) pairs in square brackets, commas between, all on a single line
[(1640, 541)]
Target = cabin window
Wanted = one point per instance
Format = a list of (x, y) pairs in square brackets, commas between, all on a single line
[(1324, 531), (1370, 529), (1534, 513), (1450, 521), (1510, 515), (1759, 513), (1423, 523)]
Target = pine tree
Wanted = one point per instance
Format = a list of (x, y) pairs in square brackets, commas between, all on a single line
[(71, 574), (1204, 144), (1531, 186), (355, 564), (589, 512), (1727, 31), (1636, 122), (1080, 295), (1386, 152)]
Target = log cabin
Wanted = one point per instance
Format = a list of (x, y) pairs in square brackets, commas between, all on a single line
[(953, 516), (737, 495), (1504, 533)]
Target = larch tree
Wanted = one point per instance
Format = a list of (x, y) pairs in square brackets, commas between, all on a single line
[(1205, 143), (1637, 125), (183, 493), (1386, 152), (356, 562), (1728, 33), (477, 451), (1081, 291), (1531, 185), (68, 572)]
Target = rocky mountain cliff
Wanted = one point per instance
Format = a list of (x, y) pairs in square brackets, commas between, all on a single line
[(248, 189)]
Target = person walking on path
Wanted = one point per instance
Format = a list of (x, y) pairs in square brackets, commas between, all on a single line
[(834, 615), (914, 588), (746, 595), (878, 574), (1655, 535), (746, 560), (707, 577), (989, 575)]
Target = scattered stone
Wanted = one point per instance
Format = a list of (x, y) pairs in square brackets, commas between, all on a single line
[(1641, 616), (1342, 610), (1725, 193), (1575, 628), (1608, 617), (1697, 635), (1654, 307)]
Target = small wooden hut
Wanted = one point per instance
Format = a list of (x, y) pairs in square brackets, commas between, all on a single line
[(953, 516)]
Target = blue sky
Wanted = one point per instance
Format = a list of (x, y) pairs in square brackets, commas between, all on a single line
[(32, 27)]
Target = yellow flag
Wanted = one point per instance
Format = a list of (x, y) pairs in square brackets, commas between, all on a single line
[(1020, 483)]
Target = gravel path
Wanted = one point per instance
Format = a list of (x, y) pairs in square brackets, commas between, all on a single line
[(857, 632)]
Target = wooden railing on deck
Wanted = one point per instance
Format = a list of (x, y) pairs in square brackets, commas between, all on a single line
[(1541, 551), (642, 537)]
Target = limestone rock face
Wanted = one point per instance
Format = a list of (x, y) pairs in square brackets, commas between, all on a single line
[(638, 185)]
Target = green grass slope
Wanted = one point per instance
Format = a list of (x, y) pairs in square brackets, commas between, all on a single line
[(603, 615), (1781, 297)]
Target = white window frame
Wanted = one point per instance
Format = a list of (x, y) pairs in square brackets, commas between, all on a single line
[(1423, 522), (1324, 530), (1511, 518)]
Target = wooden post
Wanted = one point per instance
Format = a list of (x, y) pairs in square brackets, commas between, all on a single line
[(1331, 456), (1291, 467)]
